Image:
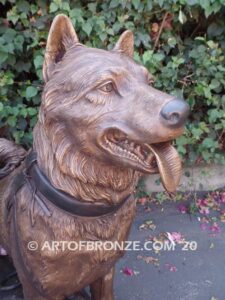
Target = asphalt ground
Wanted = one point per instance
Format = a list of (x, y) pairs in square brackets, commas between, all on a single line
[(180, 255)]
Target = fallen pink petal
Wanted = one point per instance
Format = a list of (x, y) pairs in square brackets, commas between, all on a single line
[(215, 228), (171, 268), (204, 220), (203, 226), (222, 197), (204, 210), (142, 200), (182, 208), (201, 202), (176, 236), (128, 271)]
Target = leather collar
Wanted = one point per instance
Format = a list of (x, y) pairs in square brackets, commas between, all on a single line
[(60, 199)]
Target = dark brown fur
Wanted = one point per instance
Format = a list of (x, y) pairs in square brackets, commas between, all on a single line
[(78, 116)]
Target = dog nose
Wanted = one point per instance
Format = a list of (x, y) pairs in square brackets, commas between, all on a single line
[(175, 112)]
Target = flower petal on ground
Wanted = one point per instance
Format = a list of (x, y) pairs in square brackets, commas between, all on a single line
[(182, 208), (204, 210), (142, 200), (203, 226), (128, 271), (171, 268), (215, 228)]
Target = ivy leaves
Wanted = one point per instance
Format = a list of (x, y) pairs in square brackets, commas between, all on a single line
[(174, 39)]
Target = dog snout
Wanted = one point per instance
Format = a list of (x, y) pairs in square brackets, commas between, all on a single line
[(174, 113)]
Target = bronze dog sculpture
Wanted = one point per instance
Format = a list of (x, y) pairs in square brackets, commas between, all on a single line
[(101, 126)]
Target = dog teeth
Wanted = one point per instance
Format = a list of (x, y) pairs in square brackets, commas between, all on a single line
[(137, 150), (149, 158), (123, 152), (132, 144)]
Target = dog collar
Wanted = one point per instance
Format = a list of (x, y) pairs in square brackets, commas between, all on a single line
[(40, 184)]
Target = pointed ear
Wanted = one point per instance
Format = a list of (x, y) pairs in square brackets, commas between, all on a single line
[(125, 43), (61, 37)]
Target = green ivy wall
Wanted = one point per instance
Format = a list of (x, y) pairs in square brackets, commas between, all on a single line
[(181, 42)]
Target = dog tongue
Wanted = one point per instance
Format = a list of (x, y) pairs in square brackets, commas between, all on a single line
[(169, 165)]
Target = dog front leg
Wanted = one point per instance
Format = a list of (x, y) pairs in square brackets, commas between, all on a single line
[(30, 293), (102, 289)]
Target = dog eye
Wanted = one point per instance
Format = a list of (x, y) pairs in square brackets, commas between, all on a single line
[(107, 87)]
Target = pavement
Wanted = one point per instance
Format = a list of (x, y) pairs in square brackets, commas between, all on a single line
[(181, 256)]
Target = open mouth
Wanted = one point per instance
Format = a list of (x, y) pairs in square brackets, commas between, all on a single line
[(148, 158)]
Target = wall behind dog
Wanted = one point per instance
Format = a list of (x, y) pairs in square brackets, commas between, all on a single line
[(181, 42)]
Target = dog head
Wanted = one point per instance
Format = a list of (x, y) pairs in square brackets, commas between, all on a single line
[(106, 107)]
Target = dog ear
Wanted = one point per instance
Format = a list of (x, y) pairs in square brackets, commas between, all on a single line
[(61, 37), (125, 44)]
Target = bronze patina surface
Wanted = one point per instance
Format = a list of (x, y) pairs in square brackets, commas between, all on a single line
[(101, 126)]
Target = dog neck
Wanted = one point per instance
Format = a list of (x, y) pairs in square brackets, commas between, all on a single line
[(80, 176)]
